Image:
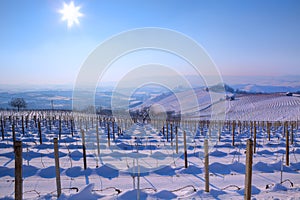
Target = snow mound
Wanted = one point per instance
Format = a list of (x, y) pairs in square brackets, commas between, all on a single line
[(254, 190), (219, 168), (85, 193), (164, 194), (279, 187), (132, 194)]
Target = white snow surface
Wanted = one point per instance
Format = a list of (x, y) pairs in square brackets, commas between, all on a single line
[(255, 107), (103, 179)]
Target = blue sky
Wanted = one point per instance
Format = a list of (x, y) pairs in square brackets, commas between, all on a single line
[(244, 38)]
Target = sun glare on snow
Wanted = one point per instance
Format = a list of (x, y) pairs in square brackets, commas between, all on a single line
[(70, 13)]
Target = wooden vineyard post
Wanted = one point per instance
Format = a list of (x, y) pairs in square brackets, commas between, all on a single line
[(251, 128), (268, 130), (2, 128), (13, 132), (40, 131), (209, 130), (219, 131), (113, 129), (202, 128), (59, 128), (118, 127), (233, 130), (66, 121), (138, 181), (86, 125), (49, 121), (83, 149), (167, 126), (286, 126), (34, 118), (185, 150), (276, 125), (57, 168), (122, 126), (248, 176), (98, 141), (287, 146), (171, 134), (119, 130), (72, 128), (108, 134), (292, 134), (27, 121), (254, 144), (23, 129), (18, 170), (207, 125), (176, 132), (206, 162)]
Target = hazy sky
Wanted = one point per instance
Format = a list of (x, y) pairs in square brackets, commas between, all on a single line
[(243, 38)]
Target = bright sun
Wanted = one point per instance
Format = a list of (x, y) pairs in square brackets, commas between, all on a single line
[(70, 13)]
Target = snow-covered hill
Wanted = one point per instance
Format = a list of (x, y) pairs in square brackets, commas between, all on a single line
[(254, 88), (275, 106), (267, 106)]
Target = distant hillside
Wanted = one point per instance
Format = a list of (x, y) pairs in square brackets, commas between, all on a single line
[(62, 99), (253, 88), (221, 87)]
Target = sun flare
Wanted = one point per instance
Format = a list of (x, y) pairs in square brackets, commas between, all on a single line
[(70, 13)]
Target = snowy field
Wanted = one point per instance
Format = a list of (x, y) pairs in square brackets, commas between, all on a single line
[(245, 107), (114, 175)]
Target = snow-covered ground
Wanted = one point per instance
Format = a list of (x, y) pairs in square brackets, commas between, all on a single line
[(259, 107), (113, 175)]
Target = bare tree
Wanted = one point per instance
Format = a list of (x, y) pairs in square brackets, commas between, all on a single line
[(18, 103)]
